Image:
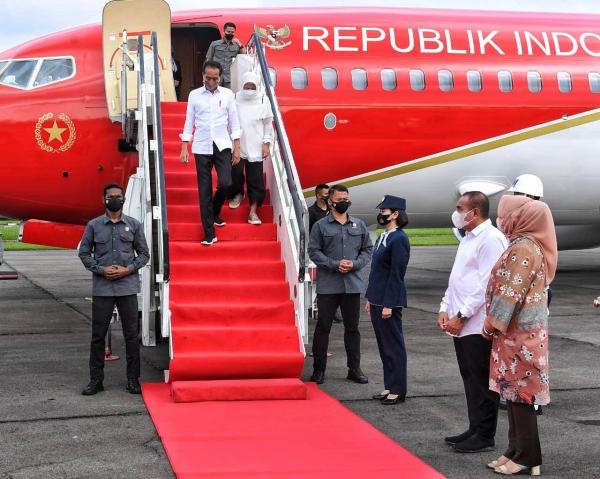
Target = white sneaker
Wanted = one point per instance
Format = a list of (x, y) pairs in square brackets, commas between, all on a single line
[(236, 201), (253, 219), (208, 241)]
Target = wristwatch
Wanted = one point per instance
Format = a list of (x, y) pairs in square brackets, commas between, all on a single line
[(461, 316)]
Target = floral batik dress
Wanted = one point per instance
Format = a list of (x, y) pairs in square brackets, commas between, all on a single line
[(517, 305)]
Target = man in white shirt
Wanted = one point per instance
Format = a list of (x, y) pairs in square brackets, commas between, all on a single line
[(461, 315), (213, 124)]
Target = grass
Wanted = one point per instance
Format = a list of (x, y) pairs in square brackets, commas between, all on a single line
[(9, 230)]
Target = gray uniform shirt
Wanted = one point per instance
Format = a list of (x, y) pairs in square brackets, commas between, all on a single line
[(105, 243), (331, 242), (223, 52)]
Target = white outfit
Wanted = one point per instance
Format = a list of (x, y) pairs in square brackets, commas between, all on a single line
[(215, 119), (256, 119), (476, 255)]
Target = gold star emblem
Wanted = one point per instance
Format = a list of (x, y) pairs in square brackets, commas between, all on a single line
[(55, 132)]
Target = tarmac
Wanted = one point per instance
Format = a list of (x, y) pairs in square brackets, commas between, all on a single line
[(49, 430)]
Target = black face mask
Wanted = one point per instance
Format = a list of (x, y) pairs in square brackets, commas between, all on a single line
[(229, 36), (384, 219), (341, 206), (114, 204)]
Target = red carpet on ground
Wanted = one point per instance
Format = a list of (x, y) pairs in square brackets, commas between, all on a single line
[(316, 438)]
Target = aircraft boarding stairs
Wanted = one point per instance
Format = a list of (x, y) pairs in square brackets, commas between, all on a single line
[(234, 312)]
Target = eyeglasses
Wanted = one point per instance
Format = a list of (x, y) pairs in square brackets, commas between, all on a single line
[(117, 197)]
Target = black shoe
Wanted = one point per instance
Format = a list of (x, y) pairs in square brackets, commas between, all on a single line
[(387, 401), (92, 388), (475, 443), (357, 376), (133, 386), (318, 376), (219, 221), (379, 396), (452, 440), (538, 410)]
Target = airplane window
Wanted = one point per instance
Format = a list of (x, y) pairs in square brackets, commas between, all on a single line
[(445, 80), (53, 70), (299, 78), (474, 82), (359, 79), (273, 76), (505, 81), (564, 82), (329, 78), (388, 79), (534, 82), (18, 73), (2, 65), (594, 79), (417, 80)]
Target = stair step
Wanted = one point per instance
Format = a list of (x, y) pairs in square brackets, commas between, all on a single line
[(230, 314), (244, 270), (234, 365), (231, 232), (238, 390), (261, 250), (187, 195), (259, 292), (173, 107), (251, 339), (190, 213)]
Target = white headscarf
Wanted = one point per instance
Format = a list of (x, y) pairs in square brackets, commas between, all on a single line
[(250, 77)]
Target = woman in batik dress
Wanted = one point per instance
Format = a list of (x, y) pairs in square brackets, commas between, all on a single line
[(517, 323)]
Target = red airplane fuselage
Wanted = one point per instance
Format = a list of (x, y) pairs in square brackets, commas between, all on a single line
[(59, 147)]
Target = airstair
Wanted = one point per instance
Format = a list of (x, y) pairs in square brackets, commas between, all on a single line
[(235, 313)]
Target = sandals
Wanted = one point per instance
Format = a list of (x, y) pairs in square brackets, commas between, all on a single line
[(498, 462), (510, 468)]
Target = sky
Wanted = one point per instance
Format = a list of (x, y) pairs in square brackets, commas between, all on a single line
[(22, 20)]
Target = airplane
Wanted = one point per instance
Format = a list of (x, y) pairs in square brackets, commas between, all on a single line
[(421, 103)]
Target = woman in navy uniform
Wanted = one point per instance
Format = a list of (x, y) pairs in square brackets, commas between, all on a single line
[(386, 296)]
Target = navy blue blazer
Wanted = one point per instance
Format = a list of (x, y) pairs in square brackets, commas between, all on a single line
[(388, 266)]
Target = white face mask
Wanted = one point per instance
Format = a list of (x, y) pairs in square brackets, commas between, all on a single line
[(249, 94), (458, 219)]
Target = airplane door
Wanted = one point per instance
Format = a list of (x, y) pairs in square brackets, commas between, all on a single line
[(137, 17)]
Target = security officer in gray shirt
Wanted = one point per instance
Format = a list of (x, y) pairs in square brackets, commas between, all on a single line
[(340, 246), (224, 50), (114, 248)]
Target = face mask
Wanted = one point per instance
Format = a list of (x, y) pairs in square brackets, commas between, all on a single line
[(114, 204), (229, 36), (384, 219), (341, 206), (249, 94), (458, 219)]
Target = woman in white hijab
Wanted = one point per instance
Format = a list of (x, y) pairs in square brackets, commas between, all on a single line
[(256, 120)]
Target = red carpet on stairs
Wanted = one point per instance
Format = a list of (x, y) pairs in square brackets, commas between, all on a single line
[(231, 313), (316, 438)]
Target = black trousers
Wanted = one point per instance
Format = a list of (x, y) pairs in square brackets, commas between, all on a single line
[(255, 183), (349, 305), (390, 341), (102, 311), (523, 438), (210, 206), (473, 355)]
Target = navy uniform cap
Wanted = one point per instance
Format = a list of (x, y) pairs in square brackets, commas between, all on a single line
[(392, 202)]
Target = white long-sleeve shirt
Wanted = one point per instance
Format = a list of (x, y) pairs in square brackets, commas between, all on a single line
[(256, 120), (476, 255), (211, 117)]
